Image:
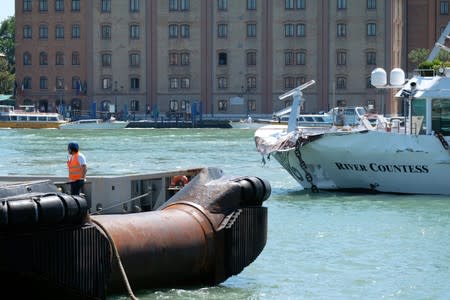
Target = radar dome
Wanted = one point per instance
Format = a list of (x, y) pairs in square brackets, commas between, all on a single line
[(397, 77), (378, 77)]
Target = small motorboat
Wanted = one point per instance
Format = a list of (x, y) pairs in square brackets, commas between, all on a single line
[(111, 123)]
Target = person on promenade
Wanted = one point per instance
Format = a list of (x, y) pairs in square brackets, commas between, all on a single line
[(76, 164)]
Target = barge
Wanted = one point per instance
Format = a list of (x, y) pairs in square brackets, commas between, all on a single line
[(128, 232)]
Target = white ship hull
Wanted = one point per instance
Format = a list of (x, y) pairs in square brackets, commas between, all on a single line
[(370, 160)]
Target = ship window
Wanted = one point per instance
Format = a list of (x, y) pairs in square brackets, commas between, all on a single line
[(42, 119), (32, 118), (440, 111), (309, 119)]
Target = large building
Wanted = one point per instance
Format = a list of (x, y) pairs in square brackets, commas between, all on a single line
[(224, 57)]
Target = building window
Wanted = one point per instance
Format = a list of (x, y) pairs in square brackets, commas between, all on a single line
[(134, 60), (134, 105), (59, 5), (134, 32), (251, 58), (59, 83), (222, 105), (184, 31), (59, 32), (75, 5), (341, 58), (300, 4), (76, 83), (173, 83), (289, 30), (341, 103), (251, 4), (289, 82), (222, 4), (173, 58), (184, 57), (76, 58), (289, 4), (251, 82), (134, 6), (300, 80), (300, 30), (443, 8), (371, 4), (43, 32), (27, 59), (369, 83), (185, 83), (222, 83), (106, 59), (134, 83), (106, 83), (184, 5), (173, 5), (27, 32), (341, 30), (371, 58), (27, 5), (222, 59), (251, 30), (27, 83), (43, 5), (106, 6), (173, 31), (43, 59), (173, 105), (106, 32), (371, 104), (300, 58), (341, 4), (288, 58), (371, 29), (43, 83), (341, 83), (251, 105), (59, 59), (76, 31), (222, 30)]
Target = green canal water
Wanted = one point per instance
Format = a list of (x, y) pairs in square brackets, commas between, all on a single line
[(320, 246)]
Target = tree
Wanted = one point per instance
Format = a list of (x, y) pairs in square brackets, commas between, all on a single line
[(418, 56), (7, 47), (7, 41)]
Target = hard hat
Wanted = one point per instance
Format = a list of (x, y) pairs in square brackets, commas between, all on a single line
[(73, 146)]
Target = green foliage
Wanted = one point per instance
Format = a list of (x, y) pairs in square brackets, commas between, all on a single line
[(7, 40), (7, 47), (418, 56)]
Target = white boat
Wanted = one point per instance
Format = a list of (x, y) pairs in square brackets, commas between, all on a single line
[(95, 124), (410, 159), (349, 115), (28, 117)]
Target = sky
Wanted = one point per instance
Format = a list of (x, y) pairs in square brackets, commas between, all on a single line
[(7, 9)]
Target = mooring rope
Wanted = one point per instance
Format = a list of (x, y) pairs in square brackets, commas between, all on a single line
[(119, 261)]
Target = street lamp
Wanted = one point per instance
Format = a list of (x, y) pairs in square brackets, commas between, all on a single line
[(246, 91), (115, 96)]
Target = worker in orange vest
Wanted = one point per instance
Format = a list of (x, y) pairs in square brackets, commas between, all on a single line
[(76, 163)]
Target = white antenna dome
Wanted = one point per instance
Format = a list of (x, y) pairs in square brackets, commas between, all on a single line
[(397, 77), (378, 78)]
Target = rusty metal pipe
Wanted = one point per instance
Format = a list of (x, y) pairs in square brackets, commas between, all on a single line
[(173, 247)]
